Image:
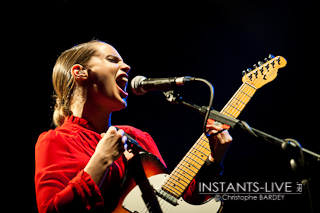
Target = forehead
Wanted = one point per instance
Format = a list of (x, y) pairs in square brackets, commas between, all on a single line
[(106, 49)]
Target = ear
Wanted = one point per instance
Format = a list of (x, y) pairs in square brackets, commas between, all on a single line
[(79, 72)]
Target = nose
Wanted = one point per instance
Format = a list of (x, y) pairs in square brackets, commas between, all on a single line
[(125, 68)]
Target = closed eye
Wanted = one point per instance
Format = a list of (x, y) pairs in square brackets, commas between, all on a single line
[(113, 59)]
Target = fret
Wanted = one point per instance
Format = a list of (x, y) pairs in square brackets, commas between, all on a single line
[(198, 150), (239, 100), (228, 114), (189, 176), (179, 178), (246, 94), (197, 156), (181, 175), (194, 160), (171, 190), (175, 184), (189, 164), (204, 147), (250, 85), (234, 107)]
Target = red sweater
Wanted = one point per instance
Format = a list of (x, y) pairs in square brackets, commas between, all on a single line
[(62, 154)]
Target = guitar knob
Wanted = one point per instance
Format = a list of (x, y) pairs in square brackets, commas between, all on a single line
[(270, 56), (260, 63)]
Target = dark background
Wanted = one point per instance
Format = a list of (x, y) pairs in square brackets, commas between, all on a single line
[(214, 40)]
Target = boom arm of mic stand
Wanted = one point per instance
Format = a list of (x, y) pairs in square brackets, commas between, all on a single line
[(232, 122)]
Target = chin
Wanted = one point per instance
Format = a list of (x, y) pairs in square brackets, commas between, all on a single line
[(122, 104)]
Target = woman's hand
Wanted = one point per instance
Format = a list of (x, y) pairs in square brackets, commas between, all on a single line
[(109, 149), (219, 142), (111, 145)]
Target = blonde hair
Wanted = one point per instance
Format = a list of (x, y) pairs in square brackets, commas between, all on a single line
[(63, 81)]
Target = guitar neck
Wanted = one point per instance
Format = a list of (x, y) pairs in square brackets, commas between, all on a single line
[(189, 166), (239, 100)]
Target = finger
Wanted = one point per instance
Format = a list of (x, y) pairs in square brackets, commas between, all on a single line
[(103, 134), (226, 138), (215, 127), (124, 139), (220, 138), (211, 132), (120, 132), (112, 130)]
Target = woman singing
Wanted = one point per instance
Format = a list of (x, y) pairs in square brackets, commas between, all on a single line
[(81, 158)]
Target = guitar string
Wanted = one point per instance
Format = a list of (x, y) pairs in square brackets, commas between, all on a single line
[(164, 204), (225, 110), (184, 160), (241, 97), (232, 107), (245, 88)]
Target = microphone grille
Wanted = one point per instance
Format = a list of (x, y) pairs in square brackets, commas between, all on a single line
[(135, 85)]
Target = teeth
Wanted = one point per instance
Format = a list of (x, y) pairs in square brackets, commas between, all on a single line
[(125, 79)]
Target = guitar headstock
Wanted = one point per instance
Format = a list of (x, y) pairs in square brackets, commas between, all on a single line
[(265, 72)]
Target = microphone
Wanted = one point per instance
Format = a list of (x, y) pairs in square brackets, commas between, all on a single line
[(140, 84)]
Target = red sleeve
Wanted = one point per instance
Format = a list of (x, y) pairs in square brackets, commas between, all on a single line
[(60, 184)]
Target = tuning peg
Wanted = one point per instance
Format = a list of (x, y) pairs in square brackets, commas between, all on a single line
[(265, 59), (260, 63), (270, 56), (255, 66), (244, 72)]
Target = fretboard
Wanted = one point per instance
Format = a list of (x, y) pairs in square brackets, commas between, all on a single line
[(239, 100), (191, 163)]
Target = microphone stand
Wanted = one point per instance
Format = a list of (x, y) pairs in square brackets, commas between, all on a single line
[(298, 162)]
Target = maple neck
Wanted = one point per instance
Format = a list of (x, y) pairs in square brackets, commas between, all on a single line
[(189, 166), (239, 100)]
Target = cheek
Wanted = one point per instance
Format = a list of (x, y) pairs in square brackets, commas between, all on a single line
[(102, 83)]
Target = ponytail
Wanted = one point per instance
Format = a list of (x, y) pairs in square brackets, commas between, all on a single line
[(63, 81)]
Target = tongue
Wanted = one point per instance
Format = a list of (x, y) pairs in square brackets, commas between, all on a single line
[(121, 86)]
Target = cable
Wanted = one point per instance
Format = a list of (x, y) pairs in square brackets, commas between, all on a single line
[(295, 142), (248, 128), (210, 103)]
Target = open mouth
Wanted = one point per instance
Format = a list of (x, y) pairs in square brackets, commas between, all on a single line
[(122, 82)]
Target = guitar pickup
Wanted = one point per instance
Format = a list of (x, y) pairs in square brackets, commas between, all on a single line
[(166, 196)]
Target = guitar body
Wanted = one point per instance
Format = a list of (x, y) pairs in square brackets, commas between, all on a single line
[(146, 173)]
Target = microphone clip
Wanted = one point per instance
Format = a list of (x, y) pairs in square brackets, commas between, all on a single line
[(172, 97)]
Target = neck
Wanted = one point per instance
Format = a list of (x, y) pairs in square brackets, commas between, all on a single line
[(99, 118)]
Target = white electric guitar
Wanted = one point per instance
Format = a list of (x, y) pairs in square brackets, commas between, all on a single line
[(148, 187)]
